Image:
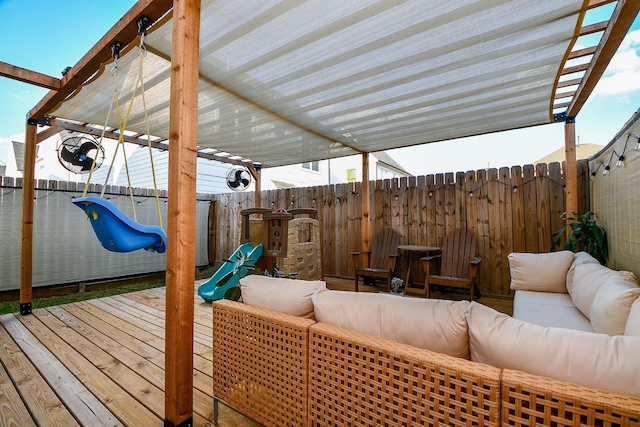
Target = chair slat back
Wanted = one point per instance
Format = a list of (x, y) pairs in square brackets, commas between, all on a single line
[(458, 249), (384, 244)]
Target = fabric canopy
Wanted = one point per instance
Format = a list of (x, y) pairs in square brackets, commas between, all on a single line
[(285, 82)]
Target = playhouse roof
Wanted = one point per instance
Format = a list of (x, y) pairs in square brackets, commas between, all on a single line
[(289, 82)]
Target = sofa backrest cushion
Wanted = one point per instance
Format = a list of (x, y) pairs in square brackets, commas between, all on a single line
[(540, 272), (612, 303), (586, 358), (632, 327), (435, 325), (290, 296), (578, 259), (587, 280)]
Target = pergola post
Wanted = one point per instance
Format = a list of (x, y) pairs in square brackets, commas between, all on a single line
[(365, 203), (28, 191), (181, 212), (571, 172)]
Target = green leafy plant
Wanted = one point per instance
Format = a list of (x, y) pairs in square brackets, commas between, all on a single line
[(584, 235), (396, 284)]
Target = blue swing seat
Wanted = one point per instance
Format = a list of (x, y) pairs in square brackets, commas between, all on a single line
[(117, 232)]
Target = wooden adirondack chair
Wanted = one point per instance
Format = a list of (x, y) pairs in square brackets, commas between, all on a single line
[(458, 263), (381, 257)]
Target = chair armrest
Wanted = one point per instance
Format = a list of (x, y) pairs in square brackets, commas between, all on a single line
[(360, 253), (430, 258)]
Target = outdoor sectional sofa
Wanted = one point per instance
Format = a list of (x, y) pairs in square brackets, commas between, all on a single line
[(297, 354)]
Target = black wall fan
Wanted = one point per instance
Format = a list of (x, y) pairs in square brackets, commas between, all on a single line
[(77, 154), (238, 178)]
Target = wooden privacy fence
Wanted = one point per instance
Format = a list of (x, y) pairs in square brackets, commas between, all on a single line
[(508, 210)]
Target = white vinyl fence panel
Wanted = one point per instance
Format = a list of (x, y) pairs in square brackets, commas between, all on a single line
[(65, 248)]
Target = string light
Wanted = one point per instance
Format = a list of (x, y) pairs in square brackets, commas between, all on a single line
[(605, 171), (620, 162)]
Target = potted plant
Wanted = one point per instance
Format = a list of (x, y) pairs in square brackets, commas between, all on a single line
[(584, 235), (396, 286)]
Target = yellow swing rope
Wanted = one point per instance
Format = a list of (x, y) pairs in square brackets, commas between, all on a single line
[(122, 126), (143, 52), (104, 129)]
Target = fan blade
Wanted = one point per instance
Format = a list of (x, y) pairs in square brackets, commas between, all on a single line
[(245, 182), (233, 184), (68, 155), (86, 147), (86, 164)]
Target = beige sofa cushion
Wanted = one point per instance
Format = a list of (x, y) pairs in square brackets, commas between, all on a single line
[(612, 303), (435, 325), (540, 272), (632, 327), (594, 360), (578, 259), (288, 296), (587, 280), (549, 309)]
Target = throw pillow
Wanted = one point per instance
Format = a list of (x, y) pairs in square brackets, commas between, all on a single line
[(612, 303), (290, 296), (587, 280), (540, 272), (632, 327), (578, 259)]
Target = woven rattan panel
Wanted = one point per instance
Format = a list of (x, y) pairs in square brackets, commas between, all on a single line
[(531, 400), (260, 363), (359, 380)]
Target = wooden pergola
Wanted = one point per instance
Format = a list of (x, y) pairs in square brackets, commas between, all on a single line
[(182, 144)]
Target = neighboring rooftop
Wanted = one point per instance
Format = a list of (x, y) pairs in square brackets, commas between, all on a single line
[(583, 151)]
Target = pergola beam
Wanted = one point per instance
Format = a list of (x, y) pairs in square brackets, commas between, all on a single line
[(621, 20), (140, 140), (27, 76)]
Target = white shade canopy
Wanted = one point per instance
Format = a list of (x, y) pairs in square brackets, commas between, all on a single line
[(285, 82)]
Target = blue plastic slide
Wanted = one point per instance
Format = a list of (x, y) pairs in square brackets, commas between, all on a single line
[(232, 271), (119, 233)]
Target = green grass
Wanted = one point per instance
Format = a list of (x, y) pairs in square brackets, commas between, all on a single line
[(14, 306)]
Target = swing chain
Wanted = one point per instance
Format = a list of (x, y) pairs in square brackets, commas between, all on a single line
[(143, 23), (116, 48)]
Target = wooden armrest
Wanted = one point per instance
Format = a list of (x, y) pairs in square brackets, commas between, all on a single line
[(430, 257), (475, 261), (360, 253)]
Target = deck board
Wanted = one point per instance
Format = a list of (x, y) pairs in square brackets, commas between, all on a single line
[(101, 362), (85, 407), (33, 389)]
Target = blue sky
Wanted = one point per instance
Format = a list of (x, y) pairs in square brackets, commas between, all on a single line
[(47, 37)]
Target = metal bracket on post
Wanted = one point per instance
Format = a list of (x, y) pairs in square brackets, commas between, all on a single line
[(570, 119), (45, 121), (560, 117), (186, 423), (25, 308)]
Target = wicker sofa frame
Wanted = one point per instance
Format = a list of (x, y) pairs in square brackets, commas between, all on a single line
[(284, 370)]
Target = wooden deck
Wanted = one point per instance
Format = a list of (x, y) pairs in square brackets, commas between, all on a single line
[(101, 363)]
